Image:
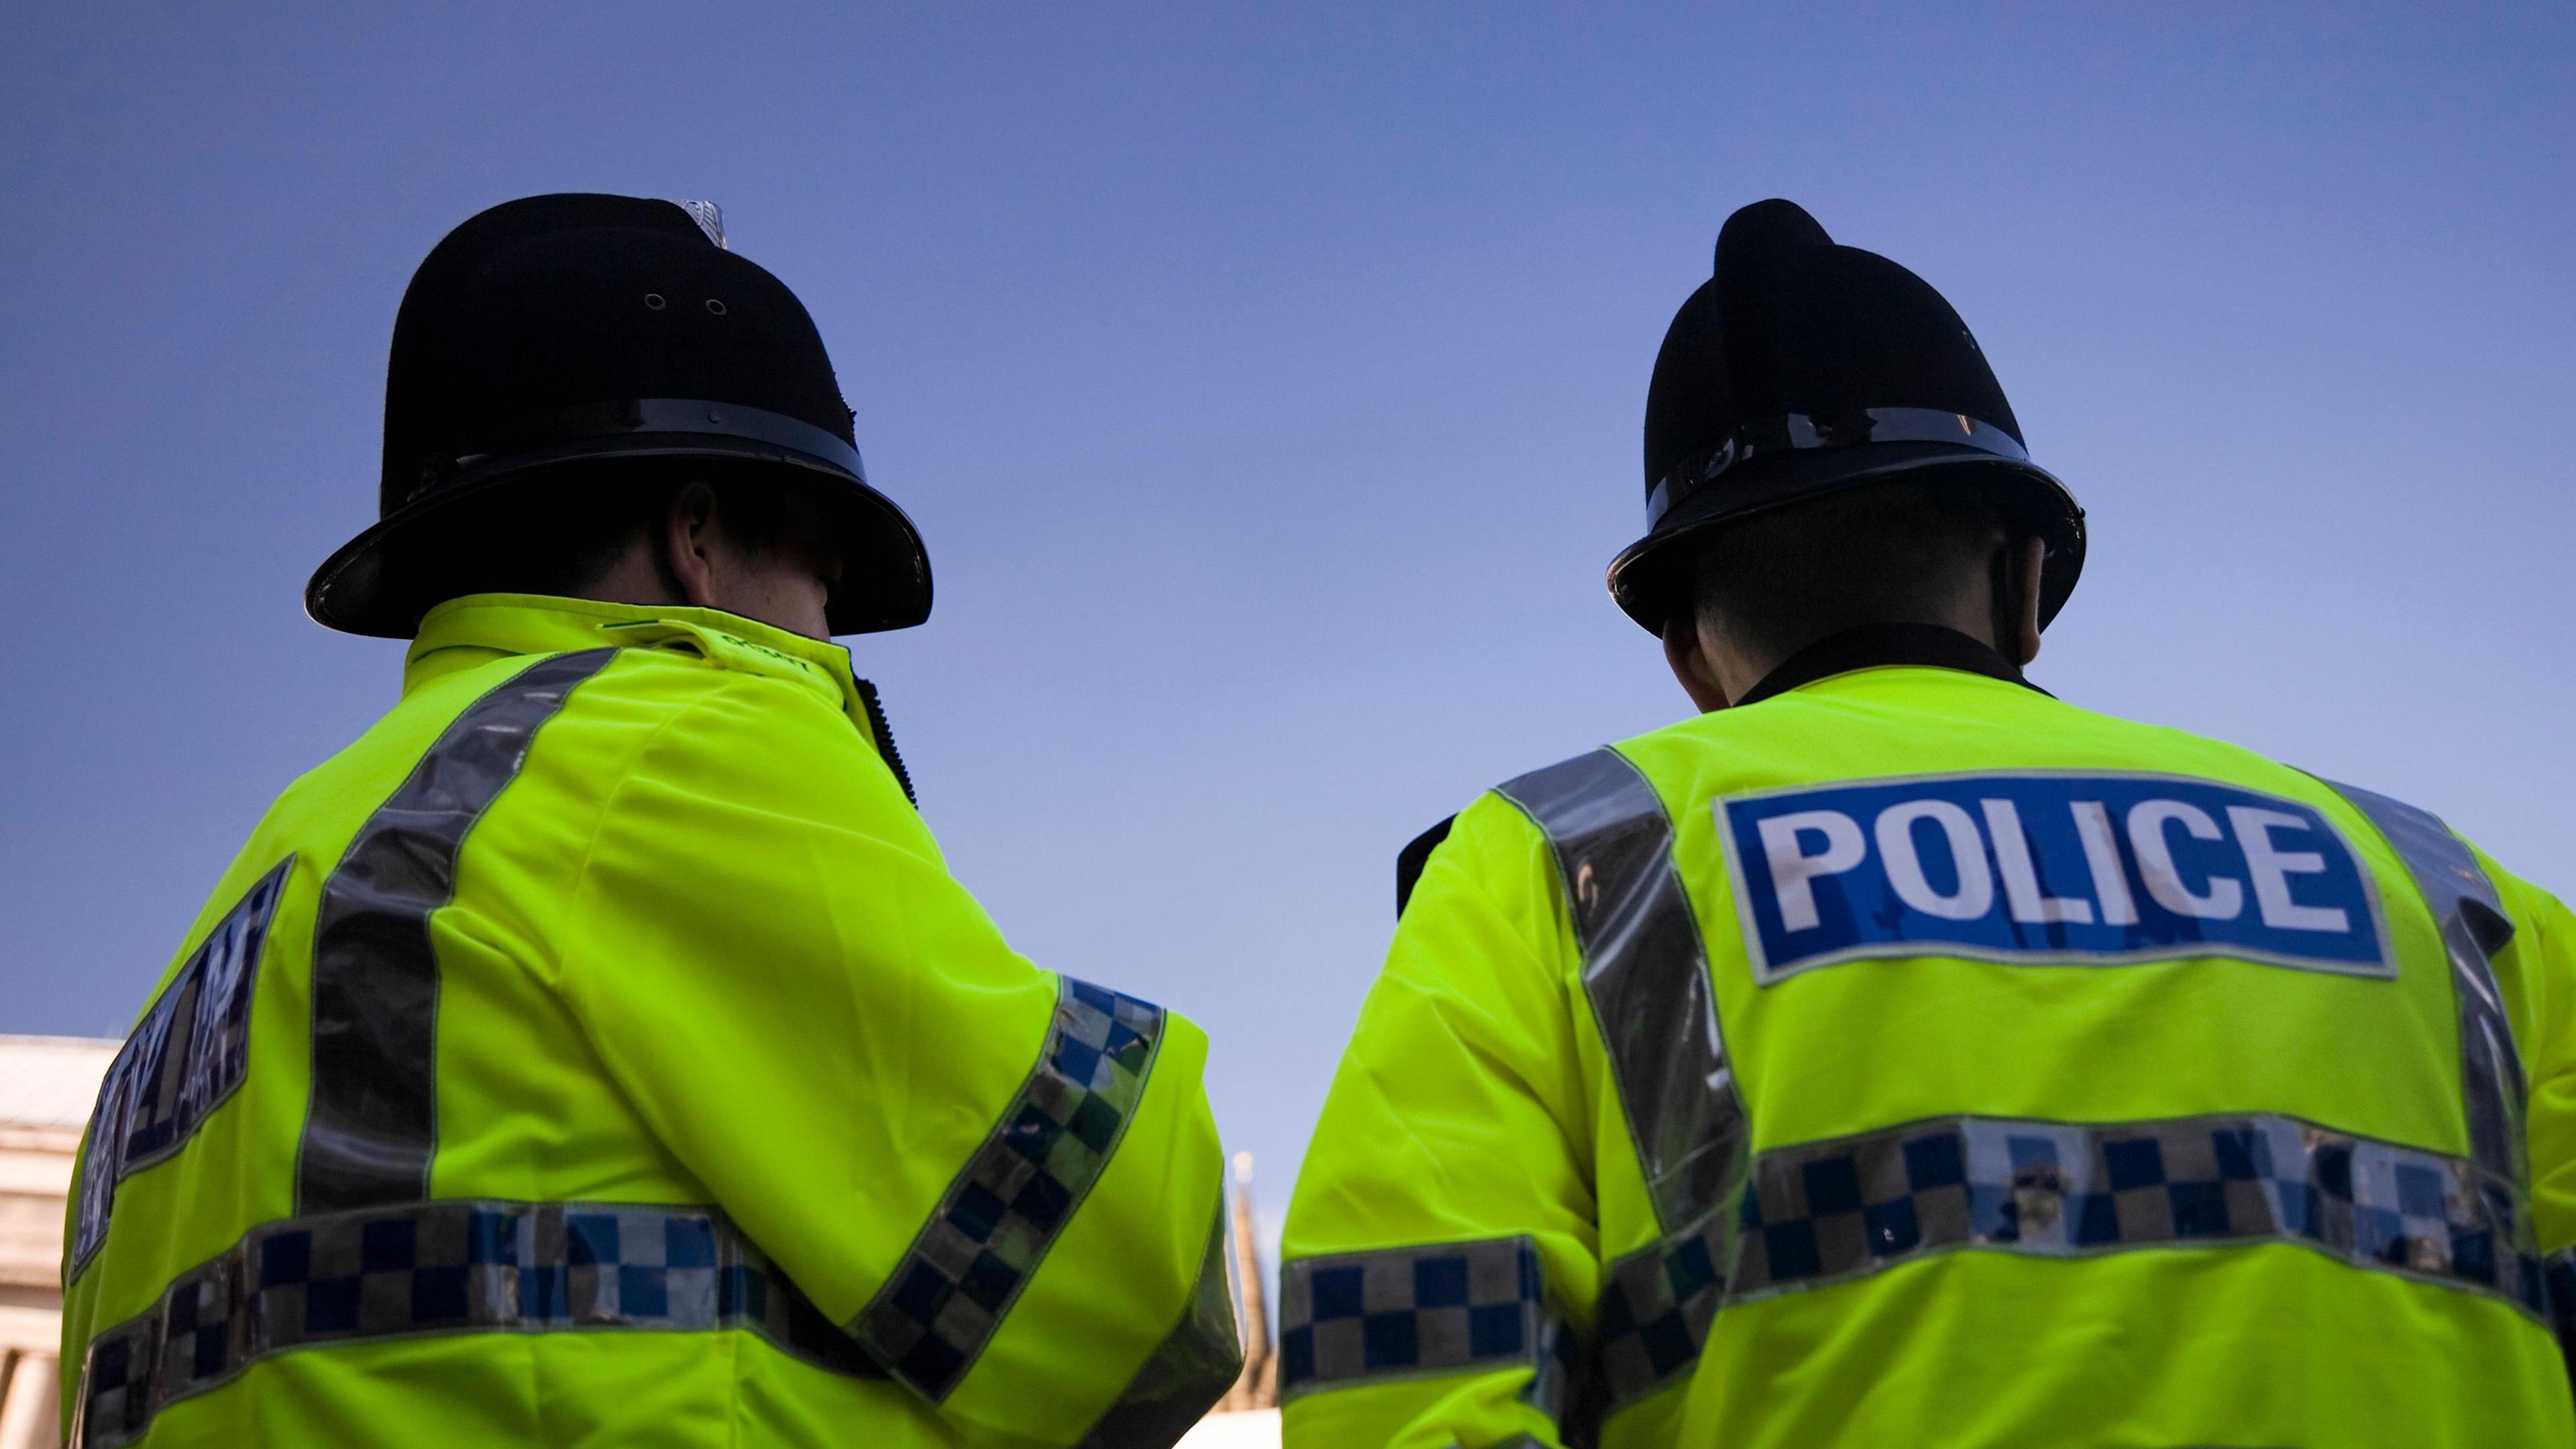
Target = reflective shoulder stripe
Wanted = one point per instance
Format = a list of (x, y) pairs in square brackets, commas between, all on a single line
[(966, 1267), (444, 1267), (1419, 1312), (1646, 974), (2470, 915), (1827, 1212), (2474, 927), (372, 1126), (1192, 1368)]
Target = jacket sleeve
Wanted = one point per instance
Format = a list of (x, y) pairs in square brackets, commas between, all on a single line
[(1442, 1237), (2540, 976), (1003, 1184)]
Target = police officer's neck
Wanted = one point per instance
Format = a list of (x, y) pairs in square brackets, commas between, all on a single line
[(1717, 667), (777, 602), (1717, 671), (696, 561)]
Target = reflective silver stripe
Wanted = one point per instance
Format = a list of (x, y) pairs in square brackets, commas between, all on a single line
[(1828, 1212), (445, 1267), (1646, 975), (1191, 1369), (1645, 971), (372, 1125), (2494, 1093), (2474, 927), (965, 1269), (1412, 1312)]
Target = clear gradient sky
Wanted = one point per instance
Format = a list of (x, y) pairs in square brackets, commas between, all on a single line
[(1267, 384)]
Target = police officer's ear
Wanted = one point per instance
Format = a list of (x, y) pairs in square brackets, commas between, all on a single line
[(2018, 599), (1690, 662), (689, 544)]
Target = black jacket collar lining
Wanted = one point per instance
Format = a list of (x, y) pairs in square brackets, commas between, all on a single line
[(1872, 645)]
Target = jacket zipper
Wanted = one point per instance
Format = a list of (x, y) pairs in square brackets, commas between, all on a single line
[(885, 740)]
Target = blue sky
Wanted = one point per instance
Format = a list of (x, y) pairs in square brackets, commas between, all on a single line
[(1267, 384)]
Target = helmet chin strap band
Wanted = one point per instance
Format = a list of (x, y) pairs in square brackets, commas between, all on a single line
[(567, 429), (1802, 431)]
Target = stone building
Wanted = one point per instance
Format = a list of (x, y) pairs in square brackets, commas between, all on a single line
[(47, 1086)]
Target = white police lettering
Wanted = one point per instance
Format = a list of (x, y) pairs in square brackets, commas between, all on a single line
[(2030, 904), (2102, 862), (2093, 869), (1793, 871), (2224, 898), (1974, 892), (2271, 867)]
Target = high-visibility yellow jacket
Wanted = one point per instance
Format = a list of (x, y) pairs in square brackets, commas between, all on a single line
[(599, 1052), (1911, 1059)]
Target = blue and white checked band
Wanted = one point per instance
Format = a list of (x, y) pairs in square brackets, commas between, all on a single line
[(1408, 1312), (1829, 1212), (946, 1297), (1824, 1212), (1480, 1307), (448, 1266), (1656, 1307)]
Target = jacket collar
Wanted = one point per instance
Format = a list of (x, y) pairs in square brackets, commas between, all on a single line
[(1870, 646), (479, 628)]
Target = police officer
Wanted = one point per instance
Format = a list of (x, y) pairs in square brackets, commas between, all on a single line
[(598, 1051), (1894, 1055)]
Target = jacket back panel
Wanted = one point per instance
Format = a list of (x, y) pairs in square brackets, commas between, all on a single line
[(527, 1112), (2239, 1344), (1994, 1195)]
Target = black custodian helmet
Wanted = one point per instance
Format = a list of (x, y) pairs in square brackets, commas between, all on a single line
[(1801, 368), (571, 329)]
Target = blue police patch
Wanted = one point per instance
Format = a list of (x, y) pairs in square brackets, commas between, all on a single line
[(188, 1053), (2039, 869)]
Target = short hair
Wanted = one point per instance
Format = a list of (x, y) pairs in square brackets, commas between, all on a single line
[(1884, 553), (561, 533)]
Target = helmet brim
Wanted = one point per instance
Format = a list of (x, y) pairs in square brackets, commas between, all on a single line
[(1650, 578), (377, 584)]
